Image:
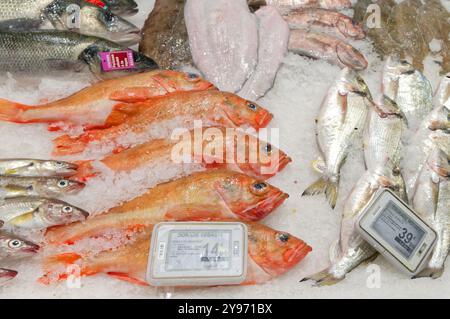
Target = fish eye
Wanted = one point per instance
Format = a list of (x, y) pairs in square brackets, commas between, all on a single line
[(268, 148), (59, 163), (252, 106), (259, 186), (15, 243), (67, 209), (283, 237), (109, 17), (192, 76), (63, 183)]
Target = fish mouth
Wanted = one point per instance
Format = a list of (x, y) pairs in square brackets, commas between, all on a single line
[(284, 162), (33, 249), (265, 207), (7, 274), (126, 38), (263, 119), (130, 12), (294, 257)]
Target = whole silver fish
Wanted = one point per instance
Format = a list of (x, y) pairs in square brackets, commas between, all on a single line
[(44, 52), (72, 15), (23, 167), (351, 249), (339, 126), (409, 88), (431, 200), (442, 94), (38, 212), (7, 275), (384, 134), (14, 247), (37, 186)]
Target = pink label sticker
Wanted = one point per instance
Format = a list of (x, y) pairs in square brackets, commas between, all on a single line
[(117, 60)]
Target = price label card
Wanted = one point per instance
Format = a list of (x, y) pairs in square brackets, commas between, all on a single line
[(198, 254), (117, 60)]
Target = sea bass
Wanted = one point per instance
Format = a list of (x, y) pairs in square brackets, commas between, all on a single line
[(38, 212), (178, 110), (351, 249), (38, 186), (119, 7), (271, 253), (219, 148), (431, 200), (102, 104), (44, 52), (326, 47), (72, 15), (273, 42), (223, 37), (409, 88), (36, 168), (383, 137), (15, 247), (7, 275), (336, 21), (339, 127), (211, 195)]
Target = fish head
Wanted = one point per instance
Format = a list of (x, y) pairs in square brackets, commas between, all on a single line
[(122, 7), (247, 197), (7, 275), (395, 66), (350, 57), (389, 176), (352, 82), (13, 246), (63, 186), (438, 162), (352, 29), (389, 108), (174, 81), (242, 112), (55, 212), (274, 251), (59, 168)]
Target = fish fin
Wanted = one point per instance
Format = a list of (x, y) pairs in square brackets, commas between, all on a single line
[(126, 277), (334, 250), (193, 212), (10, 111), (120, 113), (132, 95), (323, 278), (67, 145), (324, 185), (430, 273), (319, 165)]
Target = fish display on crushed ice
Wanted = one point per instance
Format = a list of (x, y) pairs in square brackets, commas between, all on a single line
[(271, 253), (326, 47), (273, 42), (36, 168), (15, 247), (38, 186), (230, 149), (431, 200), (103, 104), (38, 212), (203, 196), (119, 7), (178, 110), (339, 127), (223, 37)]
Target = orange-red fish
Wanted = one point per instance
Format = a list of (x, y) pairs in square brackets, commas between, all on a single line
[(217, 147), (211, 195), (103, 104), (178, 110), (271, 253)]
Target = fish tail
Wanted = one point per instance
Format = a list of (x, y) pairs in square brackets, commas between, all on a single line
[(67, 145), (430, 272), (323, 278), (324, 186), (11, 111)]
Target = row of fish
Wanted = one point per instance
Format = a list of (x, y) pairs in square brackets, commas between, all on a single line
[(407, 113)]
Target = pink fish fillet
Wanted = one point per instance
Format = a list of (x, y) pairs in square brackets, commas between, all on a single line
[(273, 41), (223, 37), (326, 47)]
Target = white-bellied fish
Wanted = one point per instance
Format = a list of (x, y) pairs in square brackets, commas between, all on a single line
[(38, 186), (24, 167), (15, 247)]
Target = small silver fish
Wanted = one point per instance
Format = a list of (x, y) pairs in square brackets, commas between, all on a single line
[(431, 200), (409, 88), (339, 126), (38, 212), (442, 94), (36, 168), (351, 249), (14, 247), (7, 275), (38, 186)]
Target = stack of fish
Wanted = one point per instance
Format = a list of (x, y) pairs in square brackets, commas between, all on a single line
[(129, 122), (26, 186), (347, 111), (45, 36)]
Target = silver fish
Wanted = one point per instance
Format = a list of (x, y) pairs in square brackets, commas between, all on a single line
[(44, 52), (23, 167), (409, 88), (7, 275), (384, 134), (431, 200), (72, 15), (37, 186), (442, 94), (351, 249), (339, 126), (38, 212), (14, 247)]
